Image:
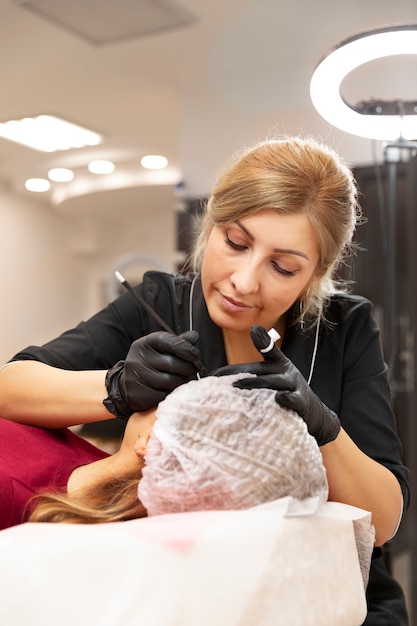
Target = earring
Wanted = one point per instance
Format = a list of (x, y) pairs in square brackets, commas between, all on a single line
[(303, 301), (301, 315)]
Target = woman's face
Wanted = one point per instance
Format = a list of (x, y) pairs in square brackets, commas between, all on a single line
[(254, 269)]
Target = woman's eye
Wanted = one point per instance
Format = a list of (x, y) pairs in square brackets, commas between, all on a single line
[(278, 268), (233, 244)]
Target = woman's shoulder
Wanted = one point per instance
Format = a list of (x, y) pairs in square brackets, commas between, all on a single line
[(350, 318), (169, 295), (343, 306), (162, 287), (168, 280)]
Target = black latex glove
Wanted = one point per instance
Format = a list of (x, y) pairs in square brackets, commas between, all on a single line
[(154, 366), (280, 374)]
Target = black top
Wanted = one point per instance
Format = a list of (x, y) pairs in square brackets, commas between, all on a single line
[(349, 375)]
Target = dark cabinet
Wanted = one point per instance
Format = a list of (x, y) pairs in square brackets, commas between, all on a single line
[(385, 272)]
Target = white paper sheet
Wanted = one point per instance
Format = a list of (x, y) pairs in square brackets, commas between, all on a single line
[(223, 568)]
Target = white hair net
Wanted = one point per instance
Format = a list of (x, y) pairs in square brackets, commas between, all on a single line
[(217, 447)]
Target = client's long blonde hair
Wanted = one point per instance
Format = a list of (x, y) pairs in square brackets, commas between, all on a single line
[(104, 502)]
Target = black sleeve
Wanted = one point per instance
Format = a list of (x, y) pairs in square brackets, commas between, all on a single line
[(105, 338), (360, 392)]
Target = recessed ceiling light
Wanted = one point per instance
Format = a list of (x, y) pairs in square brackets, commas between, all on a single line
[(60, 174), (48, 133), (37, 184), (101, 167), (154, 162)]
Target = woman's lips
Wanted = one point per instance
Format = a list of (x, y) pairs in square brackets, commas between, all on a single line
[(233, 306)]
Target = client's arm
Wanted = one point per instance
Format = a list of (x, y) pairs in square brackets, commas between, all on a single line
[(38, 394)]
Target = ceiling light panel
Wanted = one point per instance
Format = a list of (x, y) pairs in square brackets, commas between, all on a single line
[(48, 133), (101, 22)]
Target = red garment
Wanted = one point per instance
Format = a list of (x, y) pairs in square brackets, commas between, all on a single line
[(34, 460)]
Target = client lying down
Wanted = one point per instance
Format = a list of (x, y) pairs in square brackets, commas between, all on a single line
[(209, 446)]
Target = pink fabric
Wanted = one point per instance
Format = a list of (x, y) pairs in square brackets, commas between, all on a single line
[(33, 460), (178, 531)]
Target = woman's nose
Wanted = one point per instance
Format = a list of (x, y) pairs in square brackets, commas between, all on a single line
[(246, 278)]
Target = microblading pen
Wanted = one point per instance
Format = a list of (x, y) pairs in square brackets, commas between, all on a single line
[(143, 303), (150, 310)]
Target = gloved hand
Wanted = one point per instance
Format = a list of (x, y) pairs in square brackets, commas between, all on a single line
[(155, 365), (280, 374)]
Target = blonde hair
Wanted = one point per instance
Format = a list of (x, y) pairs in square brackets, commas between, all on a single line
[(291, 176), (107, 501)]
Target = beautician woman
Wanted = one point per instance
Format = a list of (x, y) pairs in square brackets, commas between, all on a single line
[(279, 221)]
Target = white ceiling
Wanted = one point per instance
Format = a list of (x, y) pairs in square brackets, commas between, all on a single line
[(238, 72)]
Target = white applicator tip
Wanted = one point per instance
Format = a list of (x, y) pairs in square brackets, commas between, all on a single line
[(119, 277), (274, 336)]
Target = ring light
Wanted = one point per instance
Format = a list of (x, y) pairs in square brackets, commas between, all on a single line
[(388, 121)]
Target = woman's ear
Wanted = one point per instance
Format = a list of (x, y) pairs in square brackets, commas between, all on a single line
[(320, 271), (137, 432), (141, 445)]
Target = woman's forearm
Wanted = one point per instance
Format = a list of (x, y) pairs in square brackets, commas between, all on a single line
[(358, 480), (38, 394)]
